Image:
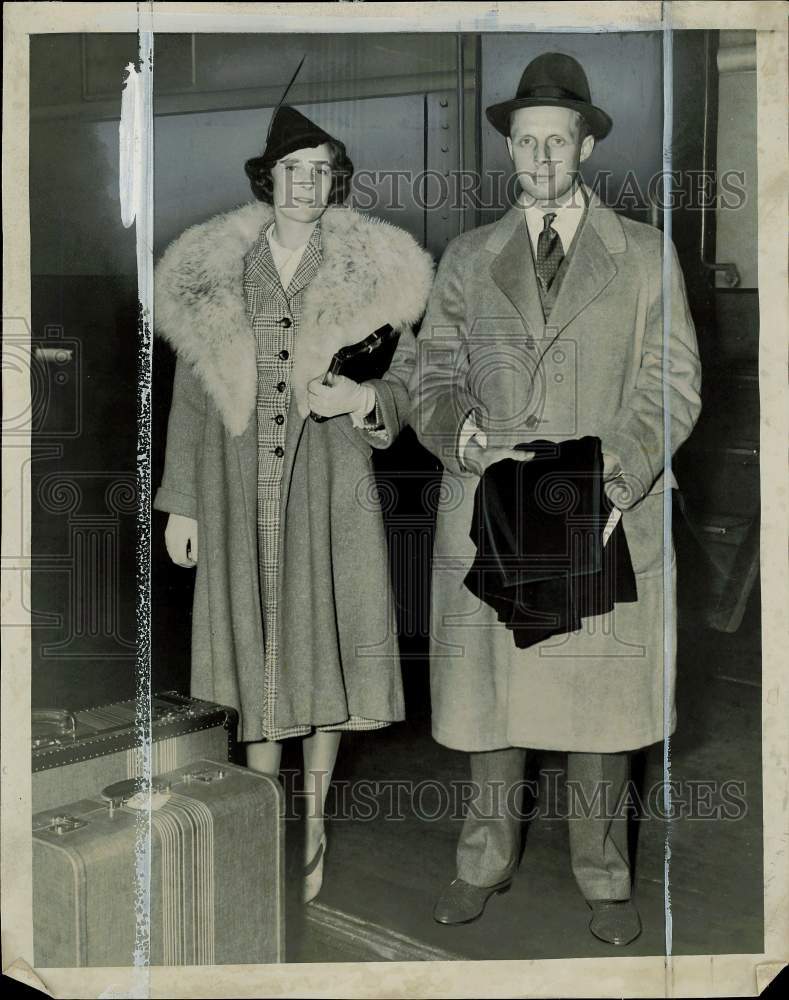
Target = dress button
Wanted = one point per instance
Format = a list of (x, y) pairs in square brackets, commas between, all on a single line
[(284, 355), (279, 419), (286, 322), (281, 386), (279, 451), (532, 421)]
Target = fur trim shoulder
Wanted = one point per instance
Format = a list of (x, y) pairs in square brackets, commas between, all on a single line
[(371, 273)]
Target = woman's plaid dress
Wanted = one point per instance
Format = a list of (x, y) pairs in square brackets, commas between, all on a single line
[(275, 314)]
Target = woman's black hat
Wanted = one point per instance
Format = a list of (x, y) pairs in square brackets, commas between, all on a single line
[(291, 130), (554, 80)]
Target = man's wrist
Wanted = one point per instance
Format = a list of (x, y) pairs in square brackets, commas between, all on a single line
[(470, 433)]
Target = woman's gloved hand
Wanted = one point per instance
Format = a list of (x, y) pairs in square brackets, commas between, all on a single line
[(343, 395), (180, 538)]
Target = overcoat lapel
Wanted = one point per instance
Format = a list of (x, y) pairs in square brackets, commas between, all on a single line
[(512, 269), (590, 267), (589, 270)]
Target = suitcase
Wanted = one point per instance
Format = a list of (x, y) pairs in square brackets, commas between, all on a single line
[(75, 754), (216, 888)]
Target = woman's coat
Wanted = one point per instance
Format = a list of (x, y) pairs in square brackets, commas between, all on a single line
[(595, 368), (337, 640)]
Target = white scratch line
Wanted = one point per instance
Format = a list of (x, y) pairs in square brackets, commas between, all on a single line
[(669, 613), (136, 200)]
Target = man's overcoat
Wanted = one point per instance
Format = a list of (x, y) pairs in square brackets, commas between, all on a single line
[(603, 364)]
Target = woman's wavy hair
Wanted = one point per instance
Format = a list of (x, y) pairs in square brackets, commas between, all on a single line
[(258, 170)]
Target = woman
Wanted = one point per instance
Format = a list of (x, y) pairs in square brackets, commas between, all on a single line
[(293, 619)]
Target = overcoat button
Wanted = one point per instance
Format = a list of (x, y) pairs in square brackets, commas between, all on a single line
[(279, 451), (279, 419), (284, 355), (286, 322), (281, 386), (532, 421)]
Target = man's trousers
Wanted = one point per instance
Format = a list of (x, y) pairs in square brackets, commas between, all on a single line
[(490, 840)]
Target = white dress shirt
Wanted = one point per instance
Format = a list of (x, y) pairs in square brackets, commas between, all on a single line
[(568, 218), (285, 260)]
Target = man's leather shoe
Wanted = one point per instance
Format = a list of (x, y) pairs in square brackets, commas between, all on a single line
[(461, 902), (615, 921)]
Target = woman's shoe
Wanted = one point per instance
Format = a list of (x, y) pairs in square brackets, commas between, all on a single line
[(313, 873)]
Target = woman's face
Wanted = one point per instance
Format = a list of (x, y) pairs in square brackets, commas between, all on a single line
[(302, 183)]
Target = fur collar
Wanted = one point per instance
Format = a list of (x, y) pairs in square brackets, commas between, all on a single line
[(371, 273)]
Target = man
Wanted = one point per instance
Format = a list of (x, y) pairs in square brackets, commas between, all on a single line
[(549, 324)]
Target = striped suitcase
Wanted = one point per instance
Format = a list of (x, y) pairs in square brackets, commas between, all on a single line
[(74, 755), (216, 888)]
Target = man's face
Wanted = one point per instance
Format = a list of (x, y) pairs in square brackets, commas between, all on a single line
[(546, 149), (302, 183)]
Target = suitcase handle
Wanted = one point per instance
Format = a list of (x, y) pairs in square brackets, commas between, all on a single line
[(51, 727), (120, 792)]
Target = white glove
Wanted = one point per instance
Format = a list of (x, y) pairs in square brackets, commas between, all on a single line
[(180, 538), (343, 395)]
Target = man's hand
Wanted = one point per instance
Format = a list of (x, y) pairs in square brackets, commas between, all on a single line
[(617, 487), (612, 467), (342, 396), (477, 459), (180, 537)]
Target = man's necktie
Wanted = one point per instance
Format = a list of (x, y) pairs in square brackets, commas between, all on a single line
[(550, 252)]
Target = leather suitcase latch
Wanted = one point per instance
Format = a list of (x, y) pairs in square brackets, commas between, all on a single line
[(65, 824), (205, 775)]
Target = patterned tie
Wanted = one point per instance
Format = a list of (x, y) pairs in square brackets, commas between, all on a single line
[(550, 252)]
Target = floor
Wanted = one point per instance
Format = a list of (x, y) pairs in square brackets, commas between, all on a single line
[(383, 875)]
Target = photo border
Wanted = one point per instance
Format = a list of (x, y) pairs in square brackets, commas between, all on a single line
[(637, 976)]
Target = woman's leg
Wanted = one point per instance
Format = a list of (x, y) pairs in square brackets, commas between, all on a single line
[(320, 755), (264, 756)]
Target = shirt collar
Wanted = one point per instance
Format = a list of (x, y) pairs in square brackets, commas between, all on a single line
[(568, 217)]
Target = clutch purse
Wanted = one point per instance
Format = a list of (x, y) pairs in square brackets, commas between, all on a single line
[(369, 358)]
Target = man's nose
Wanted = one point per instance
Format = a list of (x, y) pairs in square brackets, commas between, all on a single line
[(545, 153)]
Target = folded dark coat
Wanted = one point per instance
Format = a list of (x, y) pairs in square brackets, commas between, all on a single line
[(538, 527)]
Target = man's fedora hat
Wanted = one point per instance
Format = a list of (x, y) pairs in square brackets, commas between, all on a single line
[(557, 81)]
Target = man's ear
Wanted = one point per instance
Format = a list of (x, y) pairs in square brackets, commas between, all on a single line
[(509, 146), (586, 148)]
